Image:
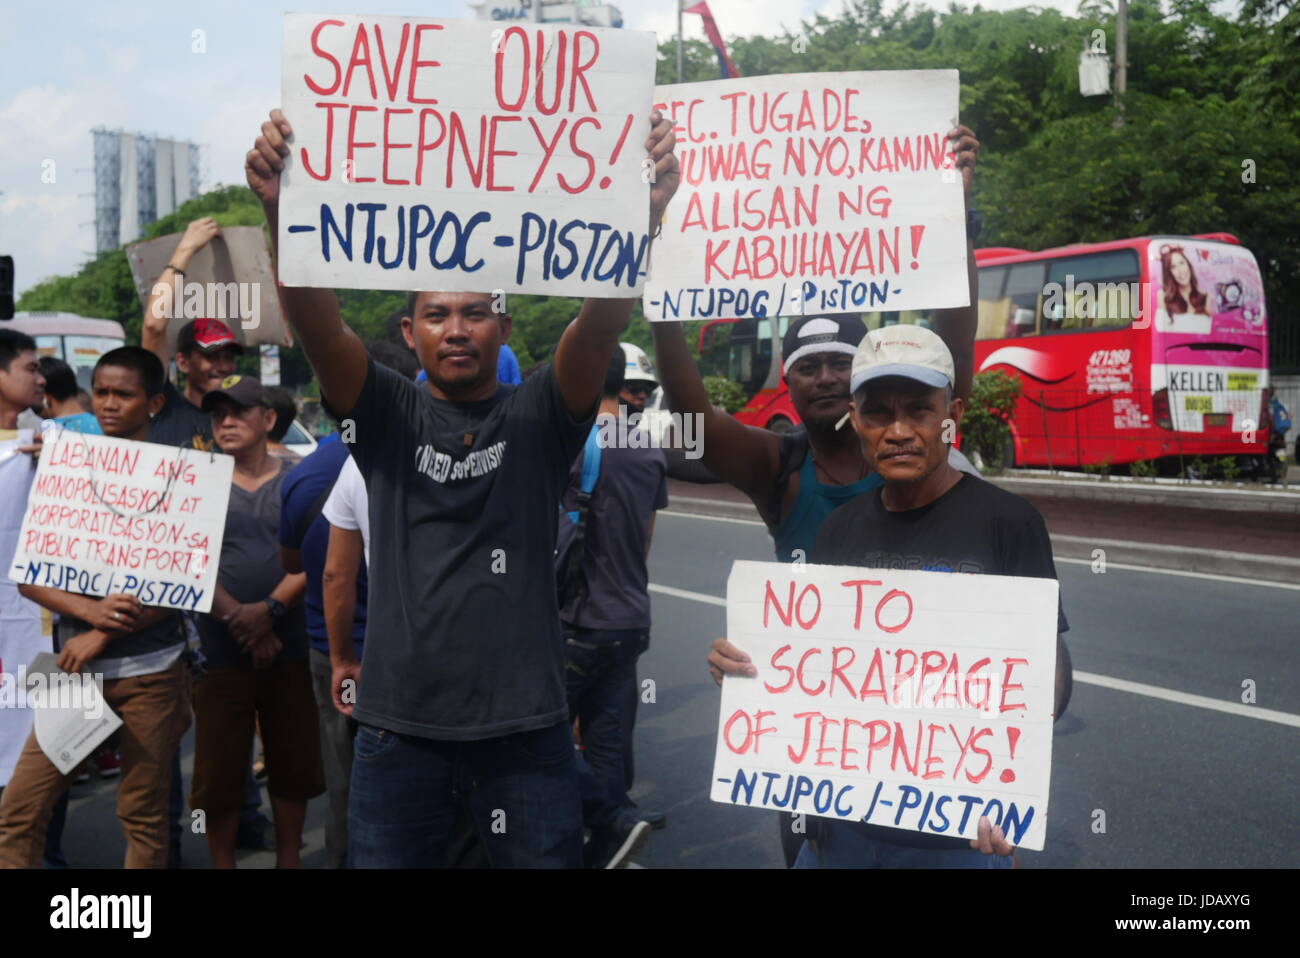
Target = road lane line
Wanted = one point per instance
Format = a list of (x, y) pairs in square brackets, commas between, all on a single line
[(1227, 579), (700, 515), (683, 594), (1088, 678), (1186, 698)]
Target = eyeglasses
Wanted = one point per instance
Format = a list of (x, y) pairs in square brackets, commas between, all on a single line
[(639, 388)]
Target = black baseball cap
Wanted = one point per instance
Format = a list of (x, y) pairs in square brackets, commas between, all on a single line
[(243, 391), (821, 334), (207, 336)]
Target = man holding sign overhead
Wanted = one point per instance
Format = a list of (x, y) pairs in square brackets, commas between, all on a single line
[(462, 691)]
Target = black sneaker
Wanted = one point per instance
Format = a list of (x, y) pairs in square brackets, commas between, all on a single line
[(613, 846), (657, 820)]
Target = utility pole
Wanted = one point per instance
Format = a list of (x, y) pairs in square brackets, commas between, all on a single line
[(680, 5), (1121, 60)]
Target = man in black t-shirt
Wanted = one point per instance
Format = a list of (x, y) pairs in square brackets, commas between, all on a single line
[(462, 688), (928, 516)]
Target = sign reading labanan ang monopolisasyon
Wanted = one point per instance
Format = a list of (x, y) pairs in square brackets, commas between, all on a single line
[(108, 515), (812, 193), (465, 155), (915, 700)]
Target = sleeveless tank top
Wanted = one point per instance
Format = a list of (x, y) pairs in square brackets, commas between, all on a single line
[(815, 502)]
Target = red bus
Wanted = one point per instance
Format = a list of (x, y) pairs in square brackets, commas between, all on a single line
[(1135, 349), (752, 344)]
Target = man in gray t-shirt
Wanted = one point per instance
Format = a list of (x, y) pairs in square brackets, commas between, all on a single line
[(605, 608)]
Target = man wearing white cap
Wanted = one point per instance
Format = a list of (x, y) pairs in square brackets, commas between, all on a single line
[(638, 378), (926, 515)]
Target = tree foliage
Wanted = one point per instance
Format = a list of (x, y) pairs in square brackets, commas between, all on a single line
[(1208, 91)]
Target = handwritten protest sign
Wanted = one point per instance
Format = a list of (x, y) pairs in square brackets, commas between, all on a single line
[(812, 193), (463, 155), (229, 279), (110, 515), (912, 700)]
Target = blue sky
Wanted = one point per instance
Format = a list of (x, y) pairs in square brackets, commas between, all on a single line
[(67, 67)]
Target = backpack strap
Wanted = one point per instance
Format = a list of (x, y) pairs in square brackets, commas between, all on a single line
[(794, 452), (590, 473), (307, 518)]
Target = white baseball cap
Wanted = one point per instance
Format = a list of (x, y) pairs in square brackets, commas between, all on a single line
[(636, 365), (913, 352)]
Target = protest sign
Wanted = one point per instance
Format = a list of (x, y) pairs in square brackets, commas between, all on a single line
[(229, 279), (109, 515), (464, 155), (912, 700), (812, 193)]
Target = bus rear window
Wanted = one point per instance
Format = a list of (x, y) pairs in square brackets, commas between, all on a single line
[(1094, 291)]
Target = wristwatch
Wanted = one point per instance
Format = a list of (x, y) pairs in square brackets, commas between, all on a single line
[(277, 608)]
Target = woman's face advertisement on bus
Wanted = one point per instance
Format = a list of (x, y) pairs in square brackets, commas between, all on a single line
[(1203, 289), (1181, 292)]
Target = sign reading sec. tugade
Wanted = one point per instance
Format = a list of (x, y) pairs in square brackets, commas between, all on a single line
[(462, 154), (108, 516), (812, 193), (914, 700)]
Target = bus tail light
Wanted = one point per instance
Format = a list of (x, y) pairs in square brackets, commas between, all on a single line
[(1160, 408)]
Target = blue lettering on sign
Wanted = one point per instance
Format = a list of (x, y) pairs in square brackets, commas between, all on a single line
[(611, 255), (792, 792), (547, 248), (156, 592), (845, 293), (701, 301), (448, 246), (916, 809)]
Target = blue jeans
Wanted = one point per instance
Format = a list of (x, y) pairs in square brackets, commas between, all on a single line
[(520, 792), (600, 679), (843, 845)]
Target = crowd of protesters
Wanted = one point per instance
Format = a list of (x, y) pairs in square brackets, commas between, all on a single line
[(380, 623)]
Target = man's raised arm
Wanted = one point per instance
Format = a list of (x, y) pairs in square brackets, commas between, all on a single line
[(582, 357), (336, 354), (169, 288), (744, 456), (956, 327)]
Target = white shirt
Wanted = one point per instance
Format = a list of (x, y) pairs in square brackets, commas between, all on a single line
[(348, 505)]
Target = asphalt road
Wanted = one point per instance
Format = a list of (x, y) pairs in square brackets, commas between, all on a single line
[(1182, 785)]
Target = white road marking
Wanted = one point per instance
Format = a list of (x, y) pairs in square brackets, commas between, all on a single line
[(1088, 678), (700, 515), (1228, 579), (683, 594), (1186, 698)]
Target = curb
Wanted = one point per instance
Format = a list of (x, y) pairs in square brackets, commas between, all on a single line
[(1187, 496), (1242, 565)]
